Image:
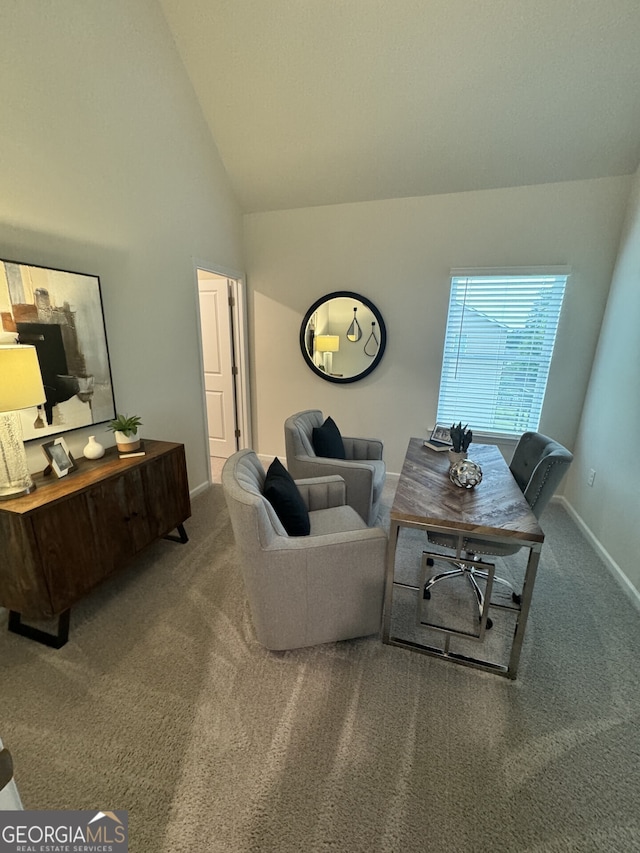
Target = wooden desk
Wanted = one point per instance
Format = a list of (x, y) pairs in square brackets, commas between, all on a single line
[(495, 510), (63, 539)]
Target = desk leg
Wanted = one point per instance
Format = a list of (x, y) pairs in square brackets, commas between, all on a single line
[(388, 591), (523, 615)]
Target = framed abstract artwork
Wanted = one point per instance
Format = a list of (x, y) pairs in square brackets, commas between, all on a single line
[(60, 313)]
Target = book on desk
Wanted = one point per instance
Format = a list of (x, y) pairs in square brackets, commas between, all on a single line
[(434, 444)]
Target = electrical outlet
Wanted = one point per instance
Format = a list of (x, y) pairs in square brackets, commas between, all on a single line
[(591, 477)]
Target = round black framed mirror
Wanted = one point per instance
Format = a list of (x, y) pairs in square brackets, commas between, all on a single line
[(343, 337)]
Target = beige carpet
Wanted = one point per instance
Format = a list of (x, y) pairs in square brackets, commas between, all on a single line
[(162, 703)]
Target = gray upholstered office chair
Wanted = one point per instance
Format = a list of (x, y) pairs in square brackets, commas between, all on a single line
[(305, 590), (363, 469), (539, 463)]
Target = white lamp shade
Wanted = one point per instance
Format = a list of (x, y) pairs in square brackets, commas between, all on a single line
[(20, 378), (327, 343)]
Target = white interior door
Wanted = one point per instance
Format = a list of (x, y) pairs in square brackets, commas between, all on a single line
[(217, 356)]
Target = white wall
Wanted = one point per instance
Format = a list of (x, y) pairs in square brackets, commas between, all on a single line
[(398, 253), (108, 168), (608, 432)]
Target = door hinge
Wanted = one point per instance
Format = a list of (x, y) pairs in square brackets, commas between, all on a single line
[(234, 370), (237, 433), (232, 301)]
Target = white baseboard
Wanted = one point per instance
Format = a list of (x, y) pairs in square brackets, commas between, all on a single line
[(628, 588), (193, 493)]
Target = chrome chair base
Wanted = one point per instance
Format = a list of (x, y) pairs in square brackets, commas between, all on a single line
[(469, 571)]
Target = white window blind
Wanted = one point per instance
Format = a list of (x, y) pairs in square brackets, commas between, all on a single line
[(499, 341)]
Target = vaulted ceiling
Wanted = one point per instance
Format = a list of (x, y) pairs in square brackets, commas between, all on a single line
[(314, 102)]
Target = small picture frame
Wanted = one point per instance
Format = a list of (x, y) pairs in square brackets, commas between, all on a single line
[(441, 435), (59, 457)]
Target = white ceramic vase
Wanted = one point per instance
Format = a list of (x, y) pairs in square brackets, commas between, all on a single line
[(126, 443), (93, 449)]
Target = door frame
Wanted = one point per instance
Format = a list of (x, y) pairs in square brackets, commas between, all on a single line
[(240, 345)]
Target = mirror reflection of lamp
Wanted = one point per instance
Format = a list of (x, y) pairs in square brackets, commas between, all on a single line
[(20, 388), (327, 345)]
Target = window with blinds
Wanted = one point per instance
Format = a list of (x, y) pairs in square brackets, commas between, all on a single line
[(500, 335)]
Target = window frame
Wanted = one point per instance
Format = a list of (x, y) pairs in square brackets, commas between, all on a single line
[(444, 406)]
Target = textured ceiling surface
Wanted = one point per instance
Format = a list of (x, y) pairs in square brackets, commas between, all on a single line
[(315, 102)]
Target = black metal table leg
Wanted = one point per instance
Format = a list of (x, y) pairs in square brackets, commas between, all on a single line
[(54, 641), (182, 538)]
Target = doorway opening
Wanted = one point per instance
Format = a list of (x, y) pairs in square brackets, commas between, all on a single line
[(225, 367)]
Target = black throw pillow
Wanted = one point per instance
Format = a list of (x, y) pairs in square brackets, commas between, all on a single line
[(284, 496), (327, 440)]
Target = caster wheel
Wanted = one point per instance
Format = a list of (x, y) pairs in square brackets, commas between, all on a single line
[(489, 623), (427, 594), (517, 599)]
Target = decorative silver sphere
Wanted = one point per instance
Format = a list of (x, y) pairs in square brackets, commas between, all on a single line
[(465, 473)]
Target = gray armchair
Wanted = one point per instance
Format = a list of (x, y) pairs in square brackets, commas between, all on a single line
[(363, 469), (305, 590), (9, 796), (539, 463)]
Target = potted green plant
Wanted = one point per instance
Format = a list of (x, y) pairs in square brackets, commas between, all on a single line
[(461, 438), (125, 429)]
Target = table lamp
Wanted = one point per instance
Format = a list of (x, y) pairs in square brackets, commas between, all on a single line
[(327, 345), (20, 388)]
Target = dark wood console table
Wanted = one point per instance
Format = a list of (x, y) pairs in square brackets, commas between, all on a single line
[(67, 536)]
